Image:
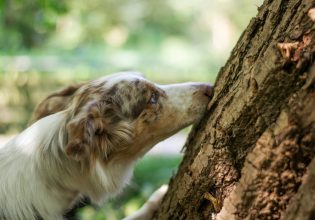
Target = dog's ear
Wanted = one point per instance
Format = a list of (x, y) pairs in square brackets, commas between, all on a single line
[(77, 146), (55, 102), (96, 131)]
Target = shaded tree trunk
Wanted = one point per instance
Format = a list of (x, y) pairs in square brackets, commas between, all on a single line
[(250, 156)]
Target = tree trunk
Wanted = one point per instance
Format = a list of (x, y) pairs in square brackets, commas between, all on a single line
[(251, 151)]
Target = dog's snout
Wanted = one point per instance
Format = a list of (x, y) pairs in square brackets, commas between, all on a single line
[(208, 90)]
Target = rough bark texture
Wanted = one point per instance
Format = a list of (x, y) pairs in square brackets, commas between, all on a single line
[(302, 206), (252, 149), (273, 171)]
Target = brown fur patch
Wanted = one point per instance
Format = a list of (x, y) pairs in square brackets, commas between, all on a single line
[(113, 90), (55, 102)]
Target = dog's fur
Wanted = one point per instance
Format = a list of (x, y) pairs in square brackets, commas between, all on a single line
[(91, 146), (55, 102)]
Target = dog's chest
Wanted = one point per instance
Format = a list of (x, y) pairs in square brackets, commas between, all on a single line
[(115, 177)]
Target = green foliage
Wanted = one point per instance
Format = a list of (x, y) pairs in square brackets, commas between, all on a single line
[(25, 24), (20, 92)]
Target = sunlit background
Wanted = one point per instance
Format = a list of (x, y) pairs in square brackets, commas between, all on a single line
[(48, 44)]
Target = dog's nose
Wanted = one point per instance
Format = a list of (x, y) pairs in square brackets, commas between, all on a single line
[(209, 91)]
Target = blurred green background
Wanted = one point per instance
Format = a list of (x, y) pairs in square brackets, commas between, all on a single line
[(47, 44)]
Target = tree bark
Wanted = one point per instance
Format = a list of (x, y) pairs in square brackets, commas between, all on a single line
[(302, 206), (251, 151)]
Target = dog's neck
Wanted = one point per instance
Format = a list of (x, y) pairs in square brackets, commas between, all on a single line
[(36, 157)]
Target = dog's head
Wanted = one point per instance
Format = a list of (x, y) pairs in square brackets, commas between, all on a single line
[(122, 116)]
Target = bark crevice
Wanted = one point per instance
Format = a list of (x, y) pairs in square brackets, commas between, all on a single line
[(254, 90)]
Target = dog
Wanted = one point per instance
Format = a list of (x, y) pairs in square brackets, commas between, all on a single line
[(90, 145)]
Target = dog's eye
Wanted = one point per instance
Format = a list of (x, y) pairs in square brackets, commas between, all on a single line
[(154, 98)]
